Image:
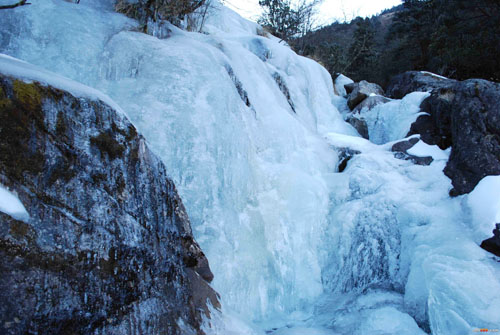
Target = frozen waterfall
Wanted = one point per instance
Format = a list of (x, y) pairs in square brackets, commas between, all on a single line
[(249, 132)]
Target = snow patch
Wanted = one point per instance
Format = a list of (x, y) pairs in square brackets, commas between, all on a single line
[(11, 205), (422, 149), (484, 203)]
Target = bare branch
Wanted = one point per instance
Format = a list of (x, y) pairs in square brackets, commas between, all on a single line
[(20, 3)]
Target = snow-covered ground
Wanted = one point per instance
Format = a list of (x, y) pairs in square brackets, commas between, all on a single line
[(248, 131)]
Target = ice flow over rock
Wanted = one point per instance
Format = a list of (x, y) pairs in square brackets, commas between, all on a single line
[(249, 132)]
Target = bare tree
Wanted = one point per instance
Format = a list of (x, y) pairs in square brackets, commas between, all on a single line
[(288, 19), (17, 4)]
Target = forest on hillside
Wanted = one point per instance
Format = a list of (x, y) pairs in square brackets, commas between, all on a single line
[(459, 39)]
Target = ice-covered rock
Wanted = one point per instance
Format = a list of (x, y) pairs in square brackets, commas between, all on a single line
[(107, 246), (340, 83)]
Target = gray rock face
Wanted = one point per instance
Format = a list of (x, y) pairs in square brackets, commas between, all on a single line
[(359, 124), (466, 116), (108, 248), (370, 102), (361, 91), (475, 134), (415, 81)]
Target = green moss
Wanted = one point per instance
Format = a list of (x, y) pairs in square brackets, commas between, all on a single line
[(28, 95), (107, 144), (21, 129), (4, 101)]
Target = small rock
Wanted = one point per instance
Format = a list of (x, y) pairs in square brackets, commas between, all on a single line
[(345, 154), (493, 243), (349, 87), (359, 124), (404, 146), (400, 150)]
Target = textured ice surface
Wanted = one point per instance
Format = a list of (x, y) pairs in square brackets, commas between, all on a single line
[(11, 205), (391, 121), (247, 129), (19, 69)]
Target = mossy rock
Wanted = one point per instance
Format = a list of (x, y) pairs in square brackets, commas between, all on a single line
[(28, 95), (21, 120), (107, 144)]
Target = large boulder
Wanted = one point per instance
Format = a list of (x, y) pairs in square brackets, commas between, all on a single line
[(361, 91), (107, 247), (475, 132), (415, 81), (465, 116)]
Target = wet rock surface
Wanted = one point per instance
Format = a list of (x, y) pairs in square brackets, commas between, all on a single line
[(108, 248)]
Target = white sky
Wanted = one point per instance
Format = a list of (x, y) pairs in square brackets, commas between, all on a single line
[(330, 10)]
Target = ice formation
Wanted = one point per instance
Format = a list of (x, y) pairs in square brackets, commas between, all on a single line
[(11, 205), (248, 130)]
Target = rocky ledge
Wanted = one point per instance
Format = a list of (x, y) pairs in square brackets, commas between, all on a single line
[(108, 247)]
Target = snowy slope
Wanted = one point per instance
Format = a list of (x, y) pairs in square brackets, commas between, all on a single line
[(248, 131)]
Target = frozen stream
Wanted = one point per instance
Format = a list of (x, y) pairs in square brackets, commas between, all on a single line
[(250, 132)]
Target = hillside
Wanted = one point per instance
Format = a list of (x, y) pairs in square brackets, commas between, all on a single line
[(457, 39)]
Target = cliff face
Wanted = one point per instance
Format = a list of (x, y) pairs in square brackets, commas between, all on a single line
[(108, 248)]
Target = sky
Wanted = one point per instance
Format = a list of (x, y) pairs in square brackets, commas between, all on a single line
[(329, 11)]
